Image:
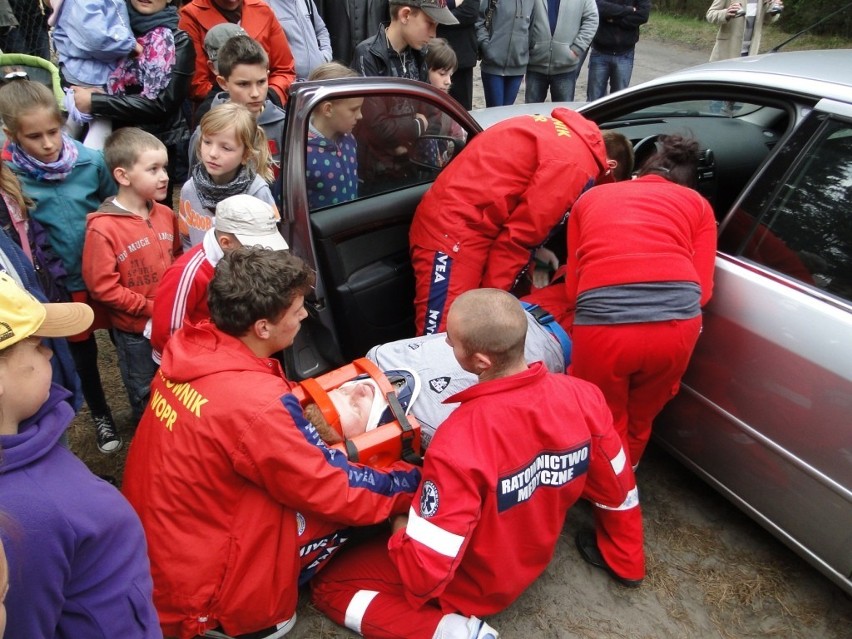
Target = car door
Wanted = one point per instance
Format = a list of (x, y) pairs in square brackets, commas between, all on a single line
[(764, 409), (359, 247)]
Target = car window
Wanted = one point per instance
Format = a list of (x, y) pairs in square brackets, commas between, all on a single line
[(798, 220), (358, 147)]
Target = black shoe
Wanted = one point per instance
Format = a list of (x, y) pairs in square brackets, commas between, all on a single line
[(109, 441), (589, 551)]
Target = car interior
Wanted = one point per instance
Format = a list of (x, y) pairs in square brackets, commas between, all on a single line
[(361, 246)]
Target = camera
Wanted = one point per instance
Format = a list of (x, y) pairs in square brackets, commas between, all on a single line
[(775, 8), (739, 14)]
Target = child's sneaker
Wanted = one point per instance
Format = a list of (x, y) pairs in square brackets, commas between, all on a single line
[(109, 440)]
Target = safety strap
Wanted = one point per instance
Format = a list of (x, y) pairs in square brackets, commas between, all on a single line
[(407, 435), (549, 322)]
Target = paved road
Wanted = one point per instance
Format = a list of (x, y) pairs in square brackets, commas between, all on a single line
[(653, 59)]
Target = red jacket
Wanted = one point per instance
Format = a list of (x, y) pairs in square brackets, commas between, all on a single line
[(124, 258), (222, 460), (182, 294), (643, 230), (258, 21), (495, 491), (501, 198)]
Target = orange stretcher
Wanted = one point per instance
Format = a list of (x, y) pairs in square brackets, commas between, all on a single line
[(381, 446)]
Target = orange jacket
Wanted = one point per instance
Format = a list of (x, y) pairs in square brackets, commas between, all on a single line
[(258, 20)]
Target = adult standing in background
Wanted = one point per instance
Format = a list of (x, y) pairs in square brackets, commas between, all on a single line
[(161, 115), (561, 33), (306, 33), (740, 25), (351, 21), (258, 21), (503, 32), (611, 60), (462, 38)]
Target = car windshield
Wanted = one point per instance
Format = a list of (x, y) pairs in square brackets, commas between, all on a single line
[(692, 108)]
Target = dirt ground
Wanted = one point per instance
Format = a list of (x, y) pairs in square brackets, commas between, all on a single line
[(712, 572)]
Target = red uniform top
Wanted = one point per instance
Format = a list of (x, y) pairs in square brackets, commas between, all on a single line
[(124, 258), (182, 295), (501, 198), (258, 21), (643, 230), (221, 462), (500, 475)]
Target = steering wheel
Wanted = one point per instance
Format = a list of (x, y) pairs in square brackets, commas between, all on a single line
[(643, 149)]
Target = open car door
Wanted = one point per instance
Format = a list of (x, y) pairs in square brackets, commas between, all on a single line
[(359, 247)]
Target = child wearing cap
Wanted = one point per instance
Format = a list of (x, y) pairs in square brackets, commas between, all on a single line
[(130, 242), (77, 557), (241, 220), (391, 126)]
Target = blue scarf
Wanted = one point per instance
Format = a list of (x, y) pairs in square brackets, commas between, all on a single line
[(47, 171)]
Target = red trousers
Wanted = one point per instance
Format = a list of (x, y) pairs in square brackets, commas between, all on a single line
[(362, 590), (638, 367), (439, 279)]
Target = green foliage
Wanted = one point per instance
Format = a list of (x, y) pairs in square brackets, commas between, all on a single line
[(798, 14)]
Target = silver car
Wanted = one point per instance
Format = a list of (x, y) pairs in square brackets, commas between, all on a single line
[(765, 412)]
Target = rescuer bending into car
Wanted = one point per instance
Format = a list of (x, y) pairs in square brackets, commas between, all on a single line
[(641, 255), (499, 200), (466, 547)]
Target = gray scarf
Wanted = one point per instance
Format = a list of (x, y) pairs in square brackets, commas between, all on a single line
[(211, 193)]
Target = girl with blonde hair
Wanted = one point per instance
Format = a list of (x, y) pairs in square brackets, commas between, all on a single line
[(234, 158)]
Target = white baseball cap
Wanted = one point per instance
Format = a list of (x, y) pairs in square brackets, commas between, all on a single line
[(251, 220)]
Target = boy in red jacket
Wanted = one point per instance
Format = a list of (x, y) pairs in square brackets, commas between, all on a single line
[(130, 242)]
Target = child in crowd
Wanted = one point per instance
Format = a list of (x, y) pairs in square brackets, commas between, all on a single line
[(242, 74), (25, 254), (91, 39), (130, 242), (66, 181), (441, 62), (391, 125), (78, 564), (213, 41), (331, 165), (234, 159), (241, 220)]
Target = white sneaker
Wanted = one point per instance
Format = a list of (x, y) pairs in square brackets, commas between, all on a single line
[(478, 629)]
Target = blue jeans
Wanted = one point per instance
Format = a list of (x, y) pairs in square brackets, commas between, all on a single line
[(137, 368), (500, 90), (613, 69), (561, 86)]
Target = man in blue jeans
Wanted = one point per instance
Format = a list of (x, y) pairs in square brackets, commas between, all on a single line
[(611, 59)]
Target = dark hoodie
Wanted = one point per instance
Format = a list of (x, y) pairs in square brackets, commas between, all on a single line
[(77, 558)]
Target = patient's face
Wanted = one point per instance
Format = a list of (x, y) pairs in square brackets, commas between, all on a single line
[(353, 403)]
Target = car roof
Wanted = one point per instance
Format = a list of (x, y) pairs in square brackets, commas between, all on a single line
[(820, 73)]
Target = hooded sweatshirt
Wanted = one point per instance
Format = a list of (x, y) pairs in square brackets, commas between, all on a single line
[(221, 462), (77, 557), (124, 259)]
